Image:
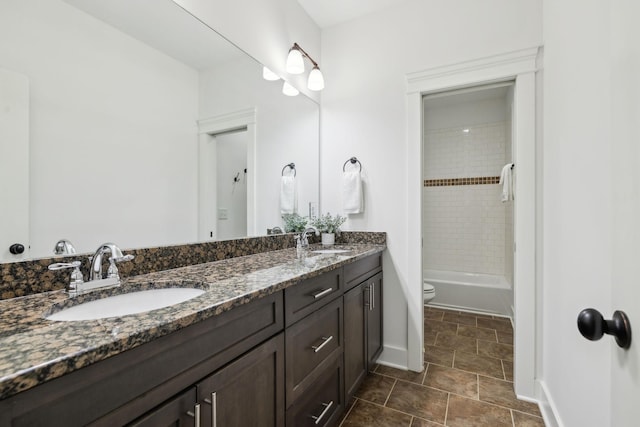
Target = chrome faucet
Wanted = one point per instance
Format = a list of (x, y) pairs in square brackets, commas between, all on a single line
[(304, 240), (95, 272)]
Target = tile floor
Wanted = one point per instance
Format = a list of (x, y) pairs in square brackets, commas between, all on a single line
[(467, 380)]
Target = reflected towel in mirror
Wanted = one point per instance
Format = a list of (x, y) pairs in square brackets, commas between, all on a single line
[(288, 195)]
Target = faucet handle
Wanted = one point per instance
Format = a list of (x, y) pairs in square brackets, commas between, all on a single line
[(123, 258), (63, 265), (76, 275)]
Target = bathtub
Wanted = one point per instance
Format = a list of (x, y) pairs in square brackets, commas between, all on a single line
[(482, 293)]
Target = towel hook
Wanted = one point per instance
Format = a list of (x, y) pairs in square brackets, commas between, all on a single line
[(353, 161), (291, 166)]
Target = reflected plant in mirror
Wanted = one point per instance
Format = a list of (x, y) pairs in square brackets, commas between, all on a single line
[(294, 223), (120, 111)]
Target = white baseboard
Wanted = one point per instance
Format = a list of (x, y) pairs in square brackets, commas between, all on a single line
[(394, 357), (547, 407)]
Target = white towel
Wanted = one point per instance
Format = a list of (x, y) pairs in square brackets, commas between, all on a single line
[(506, 180), (352, 202), (288, 195)]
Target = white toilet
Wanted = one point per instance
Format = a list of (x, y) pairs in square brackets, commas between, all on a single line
[(428, 292)]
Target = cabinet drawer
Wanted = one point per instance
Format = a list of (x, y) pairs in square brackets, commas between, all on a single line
[(311, 294), (310, 345), (361, 270), (323, 404)]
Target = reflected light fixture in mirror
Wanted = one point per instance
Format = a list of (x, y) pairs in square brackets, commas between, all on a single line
[(295, 65), (269, 75), (289, 90)]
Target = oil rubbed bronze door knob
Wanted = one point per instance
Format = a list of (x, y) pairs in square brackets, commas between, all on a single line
[(593, 326)]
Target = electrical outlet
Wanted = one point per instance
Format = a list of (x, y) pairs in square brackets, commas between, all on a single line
[(313, 210), (223, 213)]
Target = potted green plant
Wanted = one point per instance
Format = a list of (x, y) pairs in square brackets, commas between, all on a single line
[(328, 226), (294, 223)]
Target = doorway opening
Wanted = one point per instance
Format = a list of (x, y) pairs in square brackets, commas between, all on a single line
[(467, 199)]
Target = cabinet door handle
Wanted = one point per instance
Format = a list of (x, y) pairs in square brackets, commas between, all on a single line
[(317, 348), (214, 409), (322, 293), (195, 414), (319, 418), (373, 296)]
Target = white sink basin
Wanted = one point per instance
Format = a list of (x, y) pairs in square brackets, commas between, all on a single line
[(331, 251), (124, 304)]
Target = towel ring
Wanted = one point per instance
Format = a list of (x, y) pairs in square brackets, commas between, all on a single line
[(291, 166), (353, 161)]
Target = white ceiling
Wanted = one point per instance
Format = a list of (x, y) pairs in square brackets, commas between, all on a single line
[(327, 13)]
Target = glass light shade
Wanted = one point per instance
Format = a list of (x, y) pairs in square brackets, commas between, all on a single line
[(316, 81), (295, 62), (289, 90), (267, 74)]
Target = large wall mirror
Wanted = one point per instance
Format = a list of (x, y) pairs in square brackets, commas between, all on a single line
[(133, 122)]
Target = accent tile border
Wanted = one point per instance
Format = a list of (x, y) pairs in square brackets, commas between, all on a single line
[(449, 182)]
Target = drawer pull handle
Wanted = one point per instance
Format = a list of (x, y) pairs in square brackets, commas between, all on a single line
[(319, 418), (317, 348), (195, 414), (322, 293)]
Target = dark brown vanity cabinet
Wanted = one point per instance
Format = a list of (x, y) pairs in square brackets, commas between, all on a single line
[(362, 320), (314, 342), (291, 358)]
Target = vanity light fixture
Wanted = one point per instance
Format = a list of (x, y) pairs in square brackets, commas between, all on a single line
[(295, 65)]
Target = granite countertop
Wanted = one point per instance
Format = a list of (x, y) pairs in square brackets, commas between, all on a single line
[(34, 350)]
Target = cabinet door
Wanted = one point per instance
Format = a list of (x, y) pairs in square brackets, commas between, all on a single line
[(177, 412), (355, 359), (247, 392), (373, 304)]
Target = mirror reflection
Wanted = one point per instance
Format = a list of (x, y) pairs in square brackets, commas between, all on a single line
[(135, 123)]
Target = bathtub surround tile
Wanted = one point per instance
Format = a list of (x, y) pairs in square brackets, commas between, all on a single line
[(479, 364), (478, 333), (439, 356), (463, 412), (368, 414), (452, 380), (501, 393), (496, 350), (419, 401)]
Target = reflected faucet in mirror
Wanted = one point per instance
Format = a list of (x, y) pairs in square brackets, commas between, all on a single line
[(64, 247)]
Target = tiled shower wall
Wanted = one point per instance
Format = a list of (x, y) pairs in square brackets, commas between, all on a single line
[(465, 225)]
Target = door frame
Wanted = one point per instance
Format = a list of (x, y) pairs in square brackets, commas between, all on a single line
[(207, 129), (520, 67)]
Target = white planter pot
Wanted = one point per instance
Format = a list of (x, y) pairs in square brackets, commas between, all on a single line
[(328, 238)]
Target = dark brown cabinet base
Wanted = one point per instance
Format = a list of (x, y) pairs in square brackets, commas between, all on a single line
[(240, 368)]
